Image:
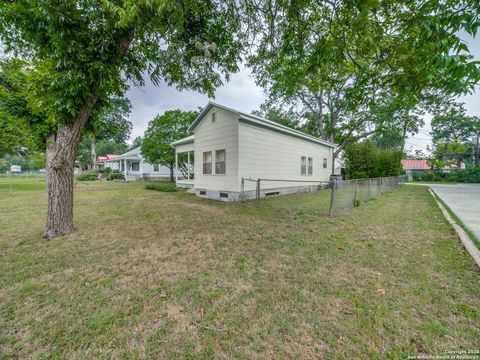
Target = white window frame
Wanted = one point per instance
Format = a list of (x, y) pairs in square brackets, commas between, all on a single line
[(224, 161), (310, 166), (303, 165), (207, 163), (156, 167), (325, 163)]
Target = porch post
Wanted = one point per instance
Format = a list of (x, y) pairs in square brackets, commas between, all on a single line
[(188, 170), (176, 166), (125, 169)]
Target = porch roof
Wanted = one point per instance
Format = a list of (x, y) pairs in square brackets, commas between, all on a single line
[(186, 140), (133, 154)]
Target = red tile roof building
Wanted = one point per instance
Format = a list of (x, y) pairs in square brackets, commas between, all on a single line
[(107, 157), (415, 164)]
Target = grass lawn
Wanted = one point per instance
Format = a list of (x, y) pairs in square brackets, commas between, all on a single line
[(153, 274)]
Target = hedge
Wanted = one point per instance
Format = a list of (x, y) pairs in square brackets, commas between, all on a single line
[(470, 175)]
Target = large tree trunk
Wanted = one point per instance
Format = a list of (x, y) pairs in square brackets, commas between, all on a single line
[(61, 151), (171, 173)]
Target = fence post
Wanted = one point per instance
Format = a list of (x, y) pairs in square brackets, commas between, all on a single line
[(369, 189), (258, 190), (355, 196), (332, 197), (11, 182), (242, 185)]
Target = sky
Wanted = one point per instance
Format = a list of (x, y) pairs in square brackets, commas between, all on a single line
[(242, 93)]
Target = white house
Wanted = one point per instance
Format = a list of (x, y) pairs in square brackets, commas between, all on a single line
[(228, 145), (135, 167)]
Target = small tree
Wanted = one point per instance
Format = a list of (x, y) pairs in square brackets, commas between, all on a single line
[(161, 132), (454, 133)]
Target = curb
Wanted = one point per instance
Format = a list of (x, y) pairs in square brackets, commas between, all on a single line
[(464, 237)]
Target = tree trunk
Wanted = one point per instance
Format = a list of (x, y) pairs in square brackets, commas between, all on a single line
[(333, 161), (171, 173), (61, 152), (93, 151), (402, 148)]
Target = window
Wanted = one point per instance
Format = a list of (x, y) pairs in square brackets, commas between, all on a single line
[(135, 166), (214, 117), (155, 167), (303, 166), (325, 163), (220, 162), (207, 162), (310, 166)]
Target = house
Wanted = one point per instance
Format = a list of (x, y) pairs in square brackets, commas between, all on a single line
[(135, 167), (228, 145), (101, 162), (411, 166)]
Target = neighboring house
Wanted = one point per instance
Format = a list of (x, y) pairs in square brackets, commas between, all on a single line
[(135, 167), (422, 165), (15, 169), (228, 145), (101, 162)]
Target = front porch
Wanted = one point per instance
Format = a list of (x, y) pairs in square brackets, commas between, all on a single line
[(184, 163), (130, 167)]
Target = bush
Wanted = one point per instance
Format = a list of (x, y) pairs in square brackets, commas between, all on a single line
[(471, 175), (366, 160), (114, 175), (87, 176), (165, 187)]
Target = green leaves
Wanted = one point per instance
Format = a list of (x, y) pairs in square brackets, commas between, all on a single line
[(162, 131), (23, 127), (85, 51)]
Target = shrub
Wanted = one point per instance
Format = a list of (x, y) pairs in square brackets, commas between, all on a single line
[(87, 176), (165, 187), (366, 160), (470, 175), (114, 175)]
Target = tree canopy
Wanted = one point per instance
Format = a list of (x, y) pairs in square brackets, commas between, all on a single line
[(161, 132), (358, 67), (23, 129), (456, 135)]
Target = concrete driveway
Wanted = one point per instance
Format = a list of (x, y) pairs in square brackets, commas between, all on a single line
[(464, 201)]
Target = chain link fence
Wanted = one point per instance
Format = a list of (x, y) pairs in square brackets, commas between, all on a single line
[(321, 197), (21, 181)]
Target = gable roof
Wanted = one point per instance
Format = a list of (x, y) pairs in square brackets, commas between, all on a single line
[(131, 154), (259, 121)]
